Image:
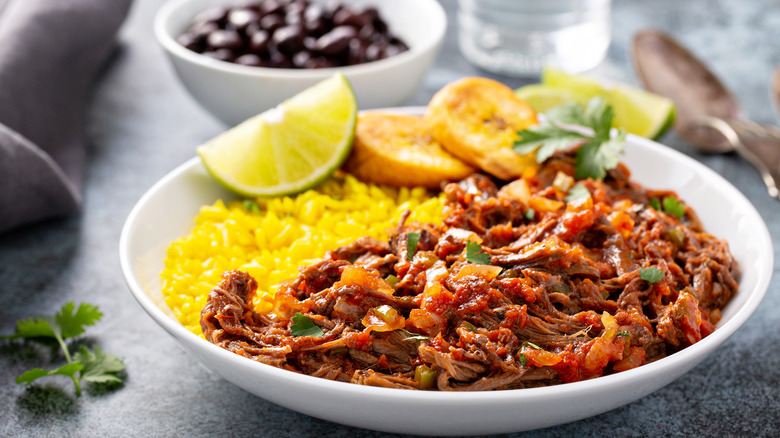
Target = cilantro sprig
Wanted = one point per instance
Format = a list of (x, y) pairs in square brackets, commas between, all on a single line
[(651, 275), (669, 205), (95, 366), (569, 125), (411, 244), (303, 326), (474, 254)]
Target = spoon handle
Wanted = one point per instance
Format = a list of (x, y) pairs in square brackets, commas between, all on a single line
[(759, 144)]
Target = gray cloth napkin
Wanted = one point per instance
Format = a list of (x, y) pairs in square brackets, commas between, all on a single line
[(50, 55)]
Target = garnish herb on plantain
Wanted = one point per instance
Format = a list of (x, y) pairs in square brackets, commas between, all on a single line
[(570, 125)]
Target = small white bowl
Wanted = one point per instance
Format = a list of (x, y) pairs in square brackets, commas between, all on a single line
[(233, 92), (167, 211)]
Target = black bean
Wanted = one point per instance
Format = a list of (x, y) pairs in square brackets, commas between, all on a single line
[(314, 12), (297, 6), (293, 17), (357, 52), (221, 54), (310, 43), (376, 51), (301, 58), (271, 6), (203, 29), (291, 34), (279, 60), (239, 19), (288, 39), (214, 14), (354, 18), (320, 62), (272, 22), (224, 39), (336, 41), (315, 27), (258, 43), (249, 59), (190, 41)]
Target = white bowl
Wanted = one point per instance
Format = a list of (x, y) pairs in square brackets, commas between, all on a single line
[(233, 92), (167, 210)]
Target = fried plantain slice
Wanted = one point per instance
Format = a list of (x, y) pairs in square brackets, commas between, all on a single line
[(397, 150), (477, 120)]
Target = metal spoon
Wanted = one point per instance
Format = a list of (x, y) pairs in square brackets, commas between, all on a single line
[(708, 115)]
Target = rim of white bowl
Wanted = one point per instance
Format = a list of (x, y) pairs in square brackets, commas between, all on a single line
[(679, 360), (169, 10)]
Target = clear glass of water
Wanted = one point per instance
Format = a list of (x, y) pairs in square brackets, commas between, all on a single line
[(519, 37)]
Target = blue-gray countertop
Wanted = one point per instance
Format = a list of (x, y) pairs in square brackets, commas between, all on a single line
[(142, 124)]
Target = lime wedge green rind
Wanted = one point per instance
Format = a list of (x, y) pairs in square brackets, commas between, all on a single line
[(638, 111), (542, 97), (290, 148)]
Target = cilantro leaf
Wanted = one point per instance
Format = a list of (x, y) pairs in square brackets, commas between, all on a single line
[(69, 369), (474, 254), (303, 326), (651, 275), (99, 366), (598, 116), (624, 333), (569, 124), (548, 138), (532, 345), (522, 360), (415, 336), (578, 191), (595, 158), (673, 206), (411, 244), (655, 204), (69, 322)]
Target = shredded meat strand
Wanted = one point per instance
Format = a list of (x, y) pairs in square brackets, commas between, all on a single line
[(566, 297)]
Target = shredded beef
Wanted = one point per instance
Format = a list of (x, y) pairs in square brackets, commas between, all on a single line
[(565, 298)]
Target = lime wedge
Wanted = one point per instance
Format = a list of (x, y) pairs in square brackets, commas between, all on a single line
[(640, 112), (289, 148), (542, 97), (637, 111), (581, 84)]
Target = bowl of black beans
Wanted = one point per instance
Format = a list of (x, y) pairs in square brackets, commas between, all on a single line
[(238, 58)]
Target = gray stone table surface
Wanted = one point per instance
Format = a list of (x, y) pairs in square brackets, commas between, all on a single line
[(142, 124)]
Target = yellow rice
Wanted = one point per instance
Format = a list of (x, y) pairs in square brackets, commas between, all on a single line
[(284, 233)]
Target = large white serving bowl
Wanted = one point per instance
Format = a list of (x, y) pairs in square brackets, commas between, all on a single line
[(166, 212), (233, 92)]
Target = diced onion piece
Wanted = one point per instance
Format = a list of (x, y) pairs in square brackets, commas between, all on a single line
[(563, 182), (542, 204), (427, 322), (436, 274), (580, 204), (517, 190), (463, 235), (383, 318), (485, 272), (610, 326), (602, 352), (354, 275)]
